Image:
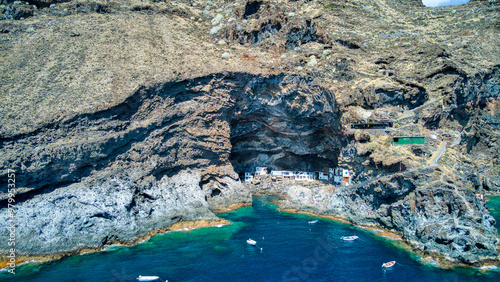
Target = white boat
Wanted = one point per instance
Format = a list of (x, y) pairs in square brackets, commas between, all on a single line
[(147, 278), (251, 242), (349, 238), (313, 221), (389, 264), (219, 225)]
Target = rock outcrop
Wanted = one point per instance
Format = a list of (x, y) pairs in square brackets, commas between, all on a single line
[(87, 216)]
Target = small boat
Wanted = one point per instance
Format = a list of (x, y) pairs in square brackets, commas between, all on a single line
[(389, 264), (147, 278), (312, 221), (349, 238), (251, 242), (219, 225)]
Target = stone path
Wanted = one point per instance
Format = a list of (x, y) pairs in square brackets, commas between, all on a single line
[(435, 159)]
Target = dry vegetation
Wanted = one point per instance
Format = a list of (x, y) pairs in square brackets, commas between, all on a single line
[(82, 56)]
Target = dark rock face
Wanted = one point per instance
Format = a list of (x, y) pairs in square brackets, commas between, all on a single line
[(289, 123), (447, 220), (17, 12), (302, 34), (265, 31), (251, 8), (161, 156)]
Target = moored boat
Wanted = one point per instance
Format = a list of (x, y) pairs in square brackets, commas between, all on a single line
[(312, 221), (251, 242), (349, 238), (389, 264), (147, 278)]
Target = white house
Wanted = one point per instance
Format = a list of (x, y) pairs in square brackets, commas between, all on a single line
[(337, 179), (339, 174), (277, 173), (335, 171), (260, 171), (324, 176), (346, 176), (336, 174), (283, 173), (248, 176), (304, 176)]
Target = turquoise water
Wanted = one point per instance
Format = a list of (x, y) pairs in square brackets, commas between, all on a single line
[(292, 250), (493, 205)]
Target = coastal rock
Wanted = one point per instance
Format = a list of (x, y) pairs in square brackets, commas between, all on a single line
[(439, 219), (86, 216)]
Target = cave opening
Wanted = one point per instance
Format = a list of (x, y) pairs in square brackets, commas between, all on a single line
[(215, 192), (285, 123)]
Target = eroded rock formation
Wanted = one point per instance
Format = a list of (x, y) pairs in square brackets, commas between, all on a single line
[(163, 155)]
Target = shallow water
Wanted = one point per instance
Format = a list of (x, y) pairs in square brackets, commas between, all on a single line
[(288, 249), (493, 205)]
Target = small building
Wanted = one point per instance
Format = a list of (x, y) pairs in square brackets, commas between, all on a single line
[(335, 171), (408, 140), (305, 176), (283, 174), (346, 176), (337, 179), (336, 175), (276, 173), (324, 176), (248, 176), (260, 171)]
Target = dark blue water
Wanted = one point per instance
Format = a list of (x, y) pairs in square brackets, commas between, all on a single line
[(292, 250)]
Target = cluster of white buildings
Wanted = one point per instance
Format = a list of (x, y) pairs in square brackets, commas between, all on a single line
[(337, 175)]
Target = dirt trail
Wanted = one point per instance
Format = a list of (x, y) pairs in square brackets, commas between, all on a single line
[(435, 159)]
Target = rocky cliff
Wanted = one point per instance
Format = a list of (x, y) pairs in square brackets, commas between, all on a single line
[(120, 118)]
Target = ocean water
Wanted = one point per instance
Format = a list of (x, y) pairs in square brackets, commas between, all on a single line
[(288, 249), (493, 206)]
